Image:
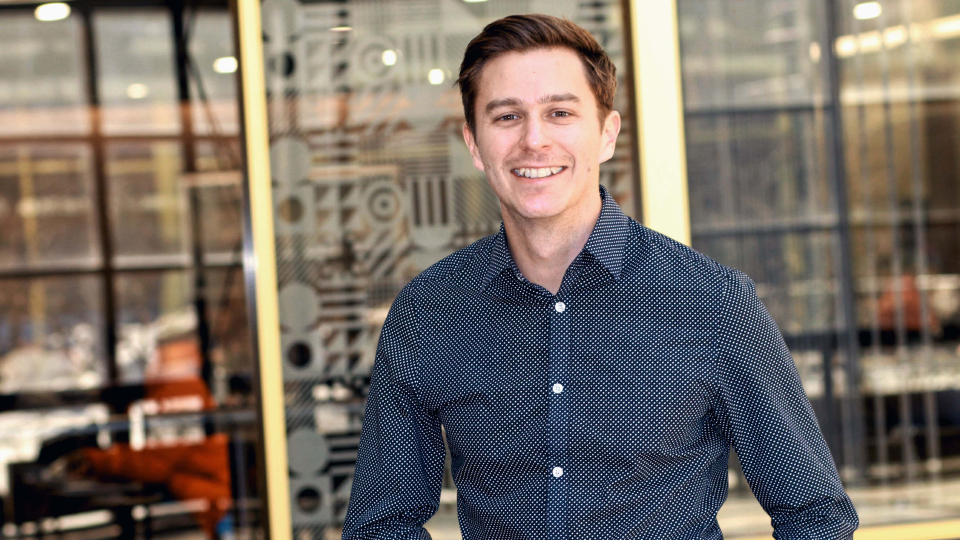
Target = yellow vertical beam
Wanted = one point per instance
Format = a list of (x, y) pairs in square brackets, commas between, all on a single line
[(261, 261), (166, 168), (38, 293), (659, 109)]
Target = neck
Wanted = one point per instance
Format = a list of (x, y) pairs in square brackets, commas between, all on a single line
[(544, 248)]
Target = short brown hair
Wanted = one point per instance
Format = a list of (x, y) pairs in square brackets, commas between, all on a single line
[(523, 33)]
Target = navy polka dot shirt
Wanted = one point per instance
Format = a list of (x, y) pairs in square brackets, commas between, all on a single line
[(604, 411)]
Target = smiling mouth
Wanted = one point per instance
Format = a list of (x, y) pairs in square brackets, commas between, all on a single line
[(542, 172)]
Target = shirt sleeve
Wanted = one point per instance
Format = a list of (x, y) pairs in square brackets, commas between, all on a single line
[(765, 414), (399, 471)]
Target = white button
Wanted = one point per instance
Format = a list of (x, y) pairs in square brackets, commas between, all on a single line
[(560, 307), (557, 388), (557, 472)]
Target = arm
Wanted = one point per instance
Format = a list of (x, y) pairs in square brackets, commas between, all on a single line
[(400, 463), (764, 412)]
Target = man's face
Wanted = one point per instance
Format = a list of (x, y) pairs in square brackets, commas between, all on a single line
[(537, 137)]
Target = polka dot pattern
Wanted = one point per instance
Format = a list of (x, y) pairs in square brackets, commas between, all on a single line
[(605, 411)]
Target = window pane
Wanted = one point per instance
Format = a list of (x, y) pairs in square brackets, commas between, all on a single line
[(170, 450), (42, 80), (51, 334), (220, 196), (47, 207), (137, 78), (148, 203), (152, 309), (762, 141), (212, 51)]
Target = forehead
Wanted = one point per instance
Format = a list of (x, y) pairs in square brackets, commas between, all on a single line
[(530, 75)]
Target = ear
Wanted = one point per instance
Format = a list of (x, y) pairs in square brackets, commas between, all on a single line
[(472, 145), (611, 128)]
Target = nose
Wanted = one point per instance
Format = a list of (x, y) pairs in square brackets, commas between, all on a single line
[(534, 136)]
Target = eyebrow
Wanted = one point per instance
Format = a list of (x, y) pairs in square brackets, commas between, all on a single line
[(515, 102)]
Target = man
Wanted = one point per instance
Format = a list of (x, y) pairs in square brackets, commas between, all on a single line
[(589, 373)]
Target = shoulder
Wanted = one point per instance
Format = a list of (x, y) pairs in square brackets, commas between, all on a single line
[(458, 272), (653, 254)]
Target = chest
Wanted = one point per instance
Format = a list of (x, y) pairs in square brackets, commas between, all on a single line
[(630, 373)]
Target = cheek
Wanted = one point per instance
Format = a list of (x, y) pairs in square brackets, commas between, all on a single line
[(586, 150)]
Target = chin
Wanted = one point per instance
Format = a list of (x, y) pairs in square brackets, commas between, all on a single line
[(539, 208)]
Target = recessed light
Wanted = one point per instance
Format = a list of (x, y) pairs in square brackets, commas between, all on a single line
[(226, 64), (137, 91), (389, 57), (867, 10), (435, 76), (52, 12)]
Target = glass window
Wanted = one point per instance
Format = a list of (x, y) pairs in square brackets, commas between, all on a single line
[(42, 82), (373, 183), (51, 334), (148, 203), (214, 76), (839, 198), (152, 307), (219, 193), (126, 395), (47, 207), (137, 79)]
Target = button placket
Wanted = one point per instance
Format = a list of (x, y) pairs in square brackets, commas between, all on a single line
[(559, 315)]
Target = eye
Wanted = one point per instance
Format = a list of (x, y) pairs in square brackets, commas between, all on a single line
[(507, 117), (561, 114)]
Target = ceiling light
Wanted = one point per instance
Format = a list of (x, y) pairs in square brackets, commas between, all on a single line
[(474, 1), (814, 52), (870, 42), (895, 35), (946, 27), (227, 64), (389, 57), (137, 91), (867, 10), (52, 12), (846, 46), (435, 76), (341, 29)]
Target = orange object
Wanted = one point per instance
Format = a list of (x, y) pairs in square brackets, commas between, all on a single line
[(190, 470), (909, 295)]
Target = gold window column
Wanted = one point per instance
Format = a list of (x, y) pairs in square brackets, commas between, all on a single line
[(658, 105), (260, 268)]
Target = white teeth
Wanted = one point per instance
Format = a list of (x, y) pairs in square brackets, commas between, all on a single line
[(538, 173)]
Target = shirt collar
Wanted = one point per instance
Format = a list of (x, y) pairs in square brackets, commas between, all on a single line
[(606, 242)]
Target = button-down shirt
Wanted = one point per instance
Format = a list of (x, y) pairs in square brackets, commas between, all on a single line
[(605, 411)]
